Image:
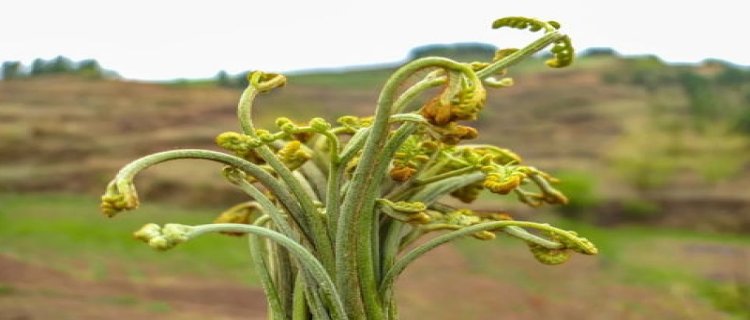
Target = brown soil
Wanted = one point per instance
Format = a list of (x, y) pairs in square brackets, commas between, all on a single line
[(446, 286), (38, 292), (501, 284)]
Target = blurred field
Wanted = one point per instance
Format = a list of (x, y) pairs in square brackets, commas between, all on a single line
[(655, 158), (61, 259), (633, 130)]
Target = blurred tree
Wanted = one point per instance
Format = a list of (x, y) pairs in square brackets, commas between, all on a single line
[(223, 80), (703, 101), (732, 76), (38, 67), (743, 120), (599, 52), (11, 70), (60, 64), (241, 80), (89, 68), (456, 51), (649, 72)]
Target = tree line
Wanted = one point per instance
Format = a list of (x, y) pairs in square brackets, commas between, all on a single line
[(224, 79), (58, 65)]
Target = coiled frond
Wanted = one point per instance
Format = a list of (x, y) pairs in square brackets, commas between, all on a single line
[(562, 49), (522, 23), (563, 53)]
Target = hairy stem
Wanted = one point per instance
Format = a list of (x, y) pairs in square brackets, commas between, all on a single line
[(261, 268), (368, 233), (432, 191), (519, 55), (446, 175), (127, 173), (306, 259), (299, 309), (320, 236), (363, 181), (268, 207)]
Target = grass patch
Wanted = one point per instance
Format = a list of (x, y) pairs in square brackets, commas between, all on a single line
[(158, 307), (656, 259), (69, 230), (6, 289), (731, 298), (121, 300)]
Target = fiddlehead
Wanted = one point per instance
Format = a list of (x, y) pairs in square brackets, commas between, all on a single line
[(562, 49)]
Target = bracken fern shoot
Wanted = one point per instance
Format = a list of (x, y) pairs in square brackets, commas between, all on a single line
[(336, 209)]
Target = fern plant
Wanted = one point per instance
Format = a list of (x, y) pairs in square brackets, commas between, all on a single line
[(336, 209)]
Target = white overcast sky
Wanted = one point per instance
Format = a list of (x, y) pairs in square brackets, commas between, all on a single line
[(164, 39)]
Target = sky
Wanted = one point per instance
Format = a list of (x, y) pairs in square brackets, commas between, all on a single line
[(166, 39)]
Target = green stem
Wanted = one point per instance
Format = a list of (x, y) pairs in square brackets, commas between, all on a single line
[(261, 268), (308, 261), (299, 310), (402, 191), (524, 235), (409, 238), (446, 175), (356, 142), (316, 177), (368, 232), (127, 173), (414, 91), (316, 304), (393, 310), (438, 166), (320, 236), (333, 196), (519, 55), (319, 159), (306, 186), (334, 146), (357, 200), (284, 273), (431, 192), (391, 245), (335, 188), (334, 182), (268, 207)]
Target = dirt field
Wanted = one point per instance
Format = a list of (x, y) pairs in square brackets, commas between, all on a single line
[(37, 292), (445, 285), (609, 134)]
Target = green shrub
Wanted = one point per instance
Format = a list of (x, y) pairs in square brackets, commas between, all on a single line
[(580, 187)]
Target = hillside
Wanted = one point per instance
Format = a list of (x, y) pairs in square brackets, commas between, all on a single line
[(636, 138)]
